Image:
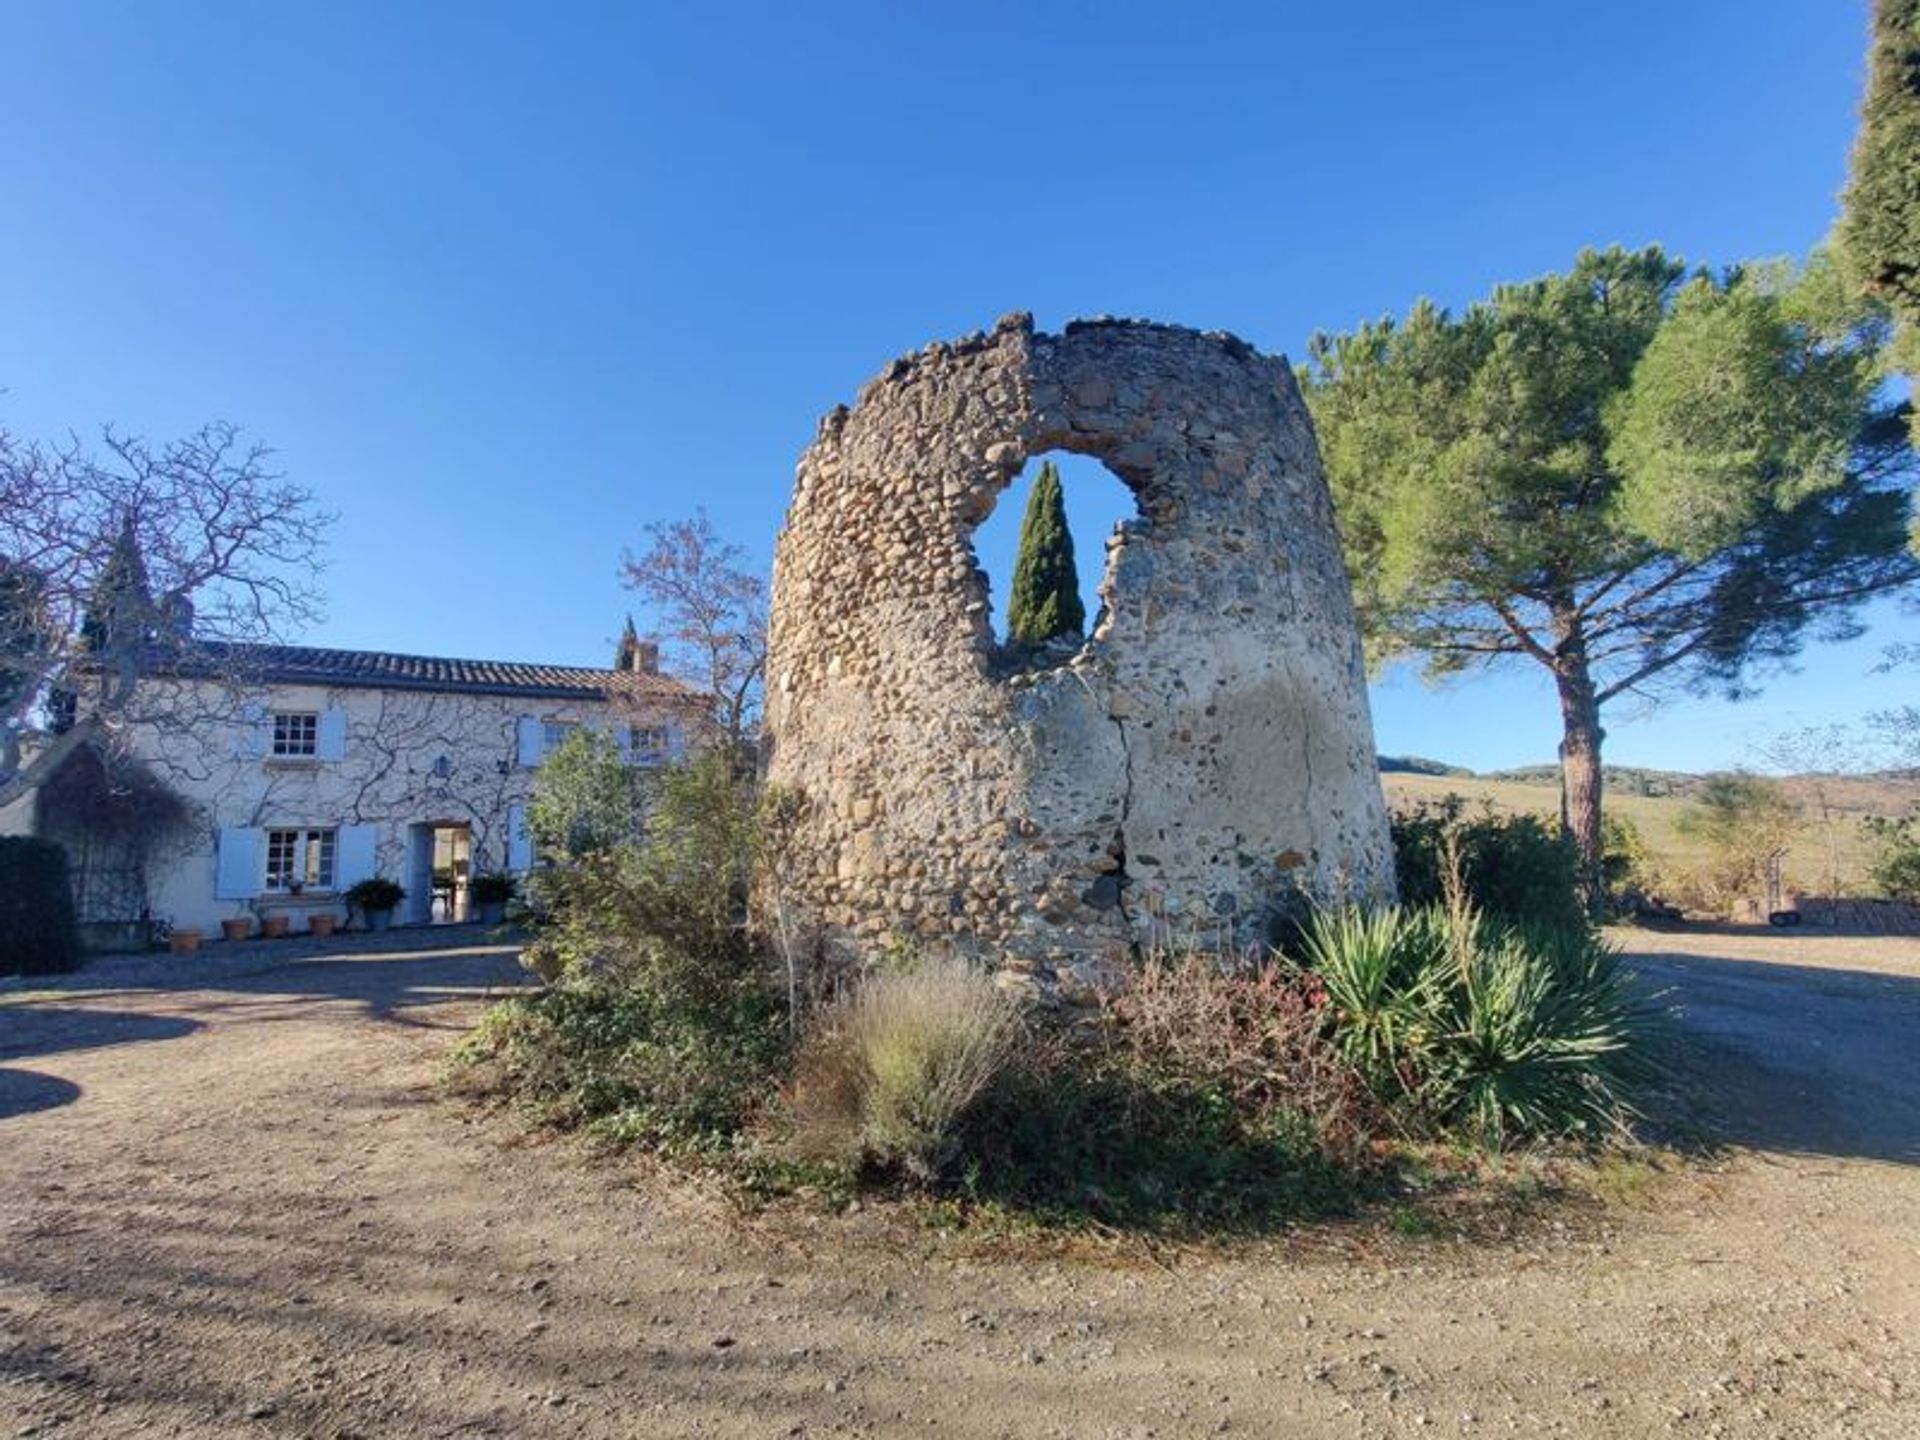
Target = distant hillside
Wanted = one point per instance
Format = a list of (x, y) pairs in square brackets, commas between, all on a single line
[(1832, 806), (1621, 779), (1882, 793), (1419, 765)]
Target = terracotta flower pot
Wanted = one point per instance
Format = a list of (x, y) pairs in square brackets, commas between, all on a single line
[(272, 927), (184, 942), (239, 928), (321, 923)]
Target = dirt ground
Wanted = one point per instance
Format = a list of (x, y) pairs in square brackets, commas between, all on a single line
[(234, 1205)]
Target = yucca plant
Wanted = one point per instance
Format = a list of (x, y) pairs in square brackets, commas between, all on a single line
[(1546, 1036), (1495, 1031), (1384, 972)]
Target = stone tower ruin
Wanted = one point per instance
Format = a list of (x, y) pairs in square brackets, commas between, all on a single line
[(1199, 766)]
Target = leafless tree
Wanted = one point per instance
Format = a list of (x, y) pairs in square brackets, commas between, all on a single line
[(708, 612), (213, 546)]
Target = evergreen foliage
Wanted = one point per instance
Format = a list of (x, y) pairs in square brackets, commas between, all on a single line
[(1881, 227), (1630, 475), (1045, 600), (1880, 224), (38, 935), (23, 624), (120, 609)]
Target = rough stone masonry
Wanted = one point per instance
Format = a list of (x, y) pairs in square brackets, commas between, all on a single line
[(1199, 766)]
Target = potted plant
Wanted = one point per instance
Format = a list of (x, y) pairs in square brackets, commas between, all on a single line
[(237, 927), (275, 927), (321, 923), (375, 899), (184, 940), (490, 892)]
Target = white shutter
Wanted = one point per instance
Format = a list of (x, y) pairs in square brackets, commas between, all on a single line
[(676, 743), (330, 735), (531, 741), (240, 864), (519, 843), (355, 855)]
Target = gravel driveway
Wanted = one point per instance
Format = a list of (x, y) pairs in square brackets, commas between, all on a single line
[(234, 1206)]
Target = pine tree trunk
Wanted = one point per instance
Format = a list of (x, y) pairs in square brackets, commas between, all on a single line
[(1580, 780)]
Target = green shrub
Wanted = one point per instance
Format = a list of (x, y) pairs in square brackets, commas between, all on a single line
[(586, 798), (492, 887), (674, 898), (1514, 867), (1493, 1031), (658, 1027), (625, 1060), (888, 1073), (1200, 1098), (1745, 823), (1624, 860), (38, 935), (375, 893), (1895, 869)]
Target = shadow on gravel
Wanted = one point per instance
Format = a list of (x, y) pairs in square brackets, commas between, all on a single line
[(50, 1029), (23, 1092), (403, 989), (1796, 1059)]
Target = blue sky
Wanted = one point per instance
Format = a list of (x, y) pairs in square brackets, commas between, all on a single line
[(504, 282)]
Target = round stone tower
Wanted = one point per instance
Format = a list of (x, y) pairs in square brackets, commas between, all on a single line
[(1201, 766)]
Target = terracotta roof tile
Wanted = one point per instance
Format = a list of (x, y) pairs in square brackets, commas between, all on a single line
[(383, 670)]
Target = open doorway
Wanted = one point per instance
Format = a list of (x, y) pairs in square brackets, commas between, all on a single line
[(440, 872)]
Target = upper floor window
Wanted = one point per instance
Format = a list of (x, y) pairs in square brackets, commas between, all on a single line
[(300, 858), (554, 732), (296, 733), (649, 742)]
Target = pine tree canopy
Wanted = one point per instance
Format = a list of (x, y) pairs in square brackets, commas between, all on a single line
[(1629, 474), (1045, 600)]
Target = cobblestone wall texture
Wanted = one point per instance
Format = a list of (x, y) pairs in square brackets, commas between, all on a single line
[(1204, 760)]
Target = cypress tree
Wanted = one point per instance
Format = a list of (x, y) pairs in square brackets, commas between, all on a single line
[(1881, 228), (1880, 225), (1045, 603), (120, 609)]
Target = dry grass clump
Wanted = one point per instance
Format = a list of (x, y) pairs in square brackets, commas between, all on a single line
[(890, 1071)]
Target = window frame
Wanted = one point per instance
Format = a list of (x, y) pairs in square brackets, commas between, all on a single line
[(284, 736), (307, 850), (648, 754)]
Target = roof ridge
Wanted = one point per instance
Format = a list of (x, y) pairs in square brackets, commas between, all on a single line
[(258, 645), (393, 669)]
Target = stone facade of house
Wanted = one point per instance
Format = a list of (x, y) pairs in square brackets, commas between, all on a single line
[(1199, 766), (305, 770)]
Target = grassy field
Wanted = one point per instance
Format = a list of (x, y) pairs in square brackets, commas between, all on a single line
[(1830, 842)]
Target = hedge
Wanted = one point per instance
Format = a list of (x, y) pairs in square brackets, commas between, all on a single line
[(38, 935)]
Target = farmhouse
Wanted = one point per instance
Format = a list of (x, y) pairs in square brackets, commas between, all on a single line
[(262, 780)]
